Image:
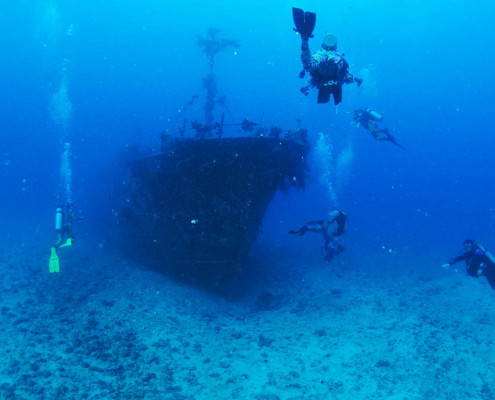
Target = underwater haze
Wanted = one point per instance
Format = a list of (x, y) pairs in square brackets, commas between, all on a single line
[(108, 77)]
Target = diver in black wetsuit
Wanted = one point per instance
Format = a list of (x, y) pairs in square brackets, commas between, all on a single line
[(479, 261), (332, 229), (368, 119), (327, 67)]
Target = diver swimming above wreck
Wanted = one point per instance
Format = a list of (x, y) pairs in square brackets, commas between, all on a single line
[(327, 67)]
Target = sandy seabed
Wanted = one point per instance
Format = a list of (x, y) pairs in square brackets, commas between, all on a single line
[(109, 328)]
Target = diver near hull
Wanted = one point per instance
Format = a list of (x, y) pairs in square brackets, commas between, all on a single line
[(332, 228)]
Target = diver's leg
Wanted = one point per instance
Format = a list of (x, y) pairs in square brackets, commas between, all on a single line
[(374, 130), (59, 241), (384, 134), (301, 231), (376, 136), (330, 255), (331, 250), (315, 226), (324, 93), (339, 250), (69, 232), (337, 93)]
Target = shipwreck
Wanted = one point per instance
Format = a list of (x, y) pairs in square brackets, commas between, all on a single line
[(199, 203)]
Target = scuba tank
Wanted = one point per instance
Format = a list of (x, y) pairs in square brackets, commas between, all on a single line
[(374, 114), (59, 219)]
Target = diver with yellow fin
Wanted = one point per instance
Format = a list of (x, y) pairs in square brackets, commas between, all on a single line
[(64, 217)]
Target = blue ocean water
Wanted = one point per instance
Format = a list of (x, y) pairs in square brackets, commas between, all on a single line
[(130, 66), (109, 75)]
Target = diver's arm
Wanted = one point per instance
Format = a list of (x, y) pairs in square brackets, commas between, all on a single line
[(349, 78), (346, 76), (72, 217), (455, 260), (306, 55)]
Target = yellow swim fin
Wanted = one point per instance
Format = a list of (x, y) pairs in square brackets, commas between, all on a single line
[(68, 242), (54, 265)]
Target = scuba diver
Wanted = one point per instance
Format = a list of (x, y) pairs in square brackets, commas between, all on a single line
[(64, 217), (368, 120), (327, 67), (332, 229), (479, 261)]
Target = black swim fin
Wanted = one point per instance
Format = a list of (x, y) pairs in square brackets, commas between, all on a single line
[(304, 21), (392, 139)]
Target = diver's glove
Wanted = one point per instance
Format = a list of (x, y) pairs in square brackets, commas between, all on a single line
[(304, 90)]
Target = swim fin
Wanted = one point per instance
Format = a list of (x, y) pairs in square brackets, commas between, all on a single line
[(392, 139), (68, 242), (54, 265), (304, 21)]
